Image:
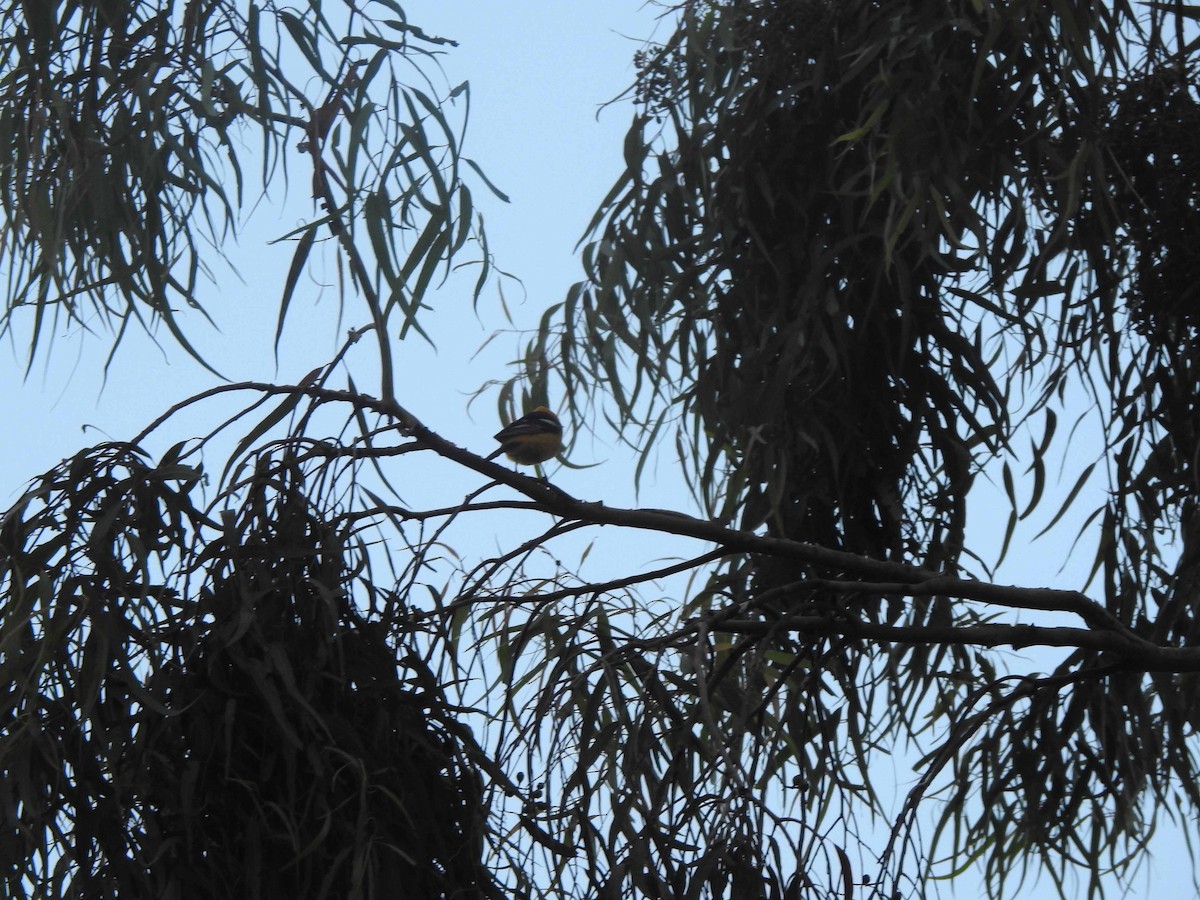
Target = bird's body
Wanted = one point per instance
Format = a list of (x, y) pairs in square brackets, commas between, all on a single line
[(531, 439)]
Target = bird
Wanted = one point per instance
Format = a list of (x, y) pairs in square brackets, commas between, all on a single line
[(531, 439)]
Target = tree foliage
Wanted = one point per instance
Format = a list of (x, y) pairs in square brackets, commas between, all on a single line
[(861, 253), (864, 256), (200, 708), (127, 151), (197, 706)]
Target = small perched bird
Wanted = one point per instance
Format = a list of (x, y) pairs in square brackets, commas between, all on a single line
[(531, 439)]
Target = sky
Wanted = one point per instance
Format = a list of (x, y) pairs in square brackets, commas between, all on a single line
[(541, 74)]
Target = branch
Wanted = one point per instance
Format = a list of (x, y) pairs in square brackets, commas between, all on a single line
[(1147, 656), (887, 577), (1105, 631)]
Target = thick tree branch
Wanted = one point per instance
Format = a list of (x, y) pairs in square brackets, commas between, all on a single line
[(1105, 631), (1140, 654)]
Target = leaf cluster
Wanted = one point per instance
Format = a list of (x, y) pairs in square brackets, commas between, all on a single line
[(118, 123), (199, 707), (124, 133)]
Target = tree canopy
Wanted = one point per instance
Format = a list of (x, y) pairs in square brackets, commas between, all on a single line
[(864, 257)]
